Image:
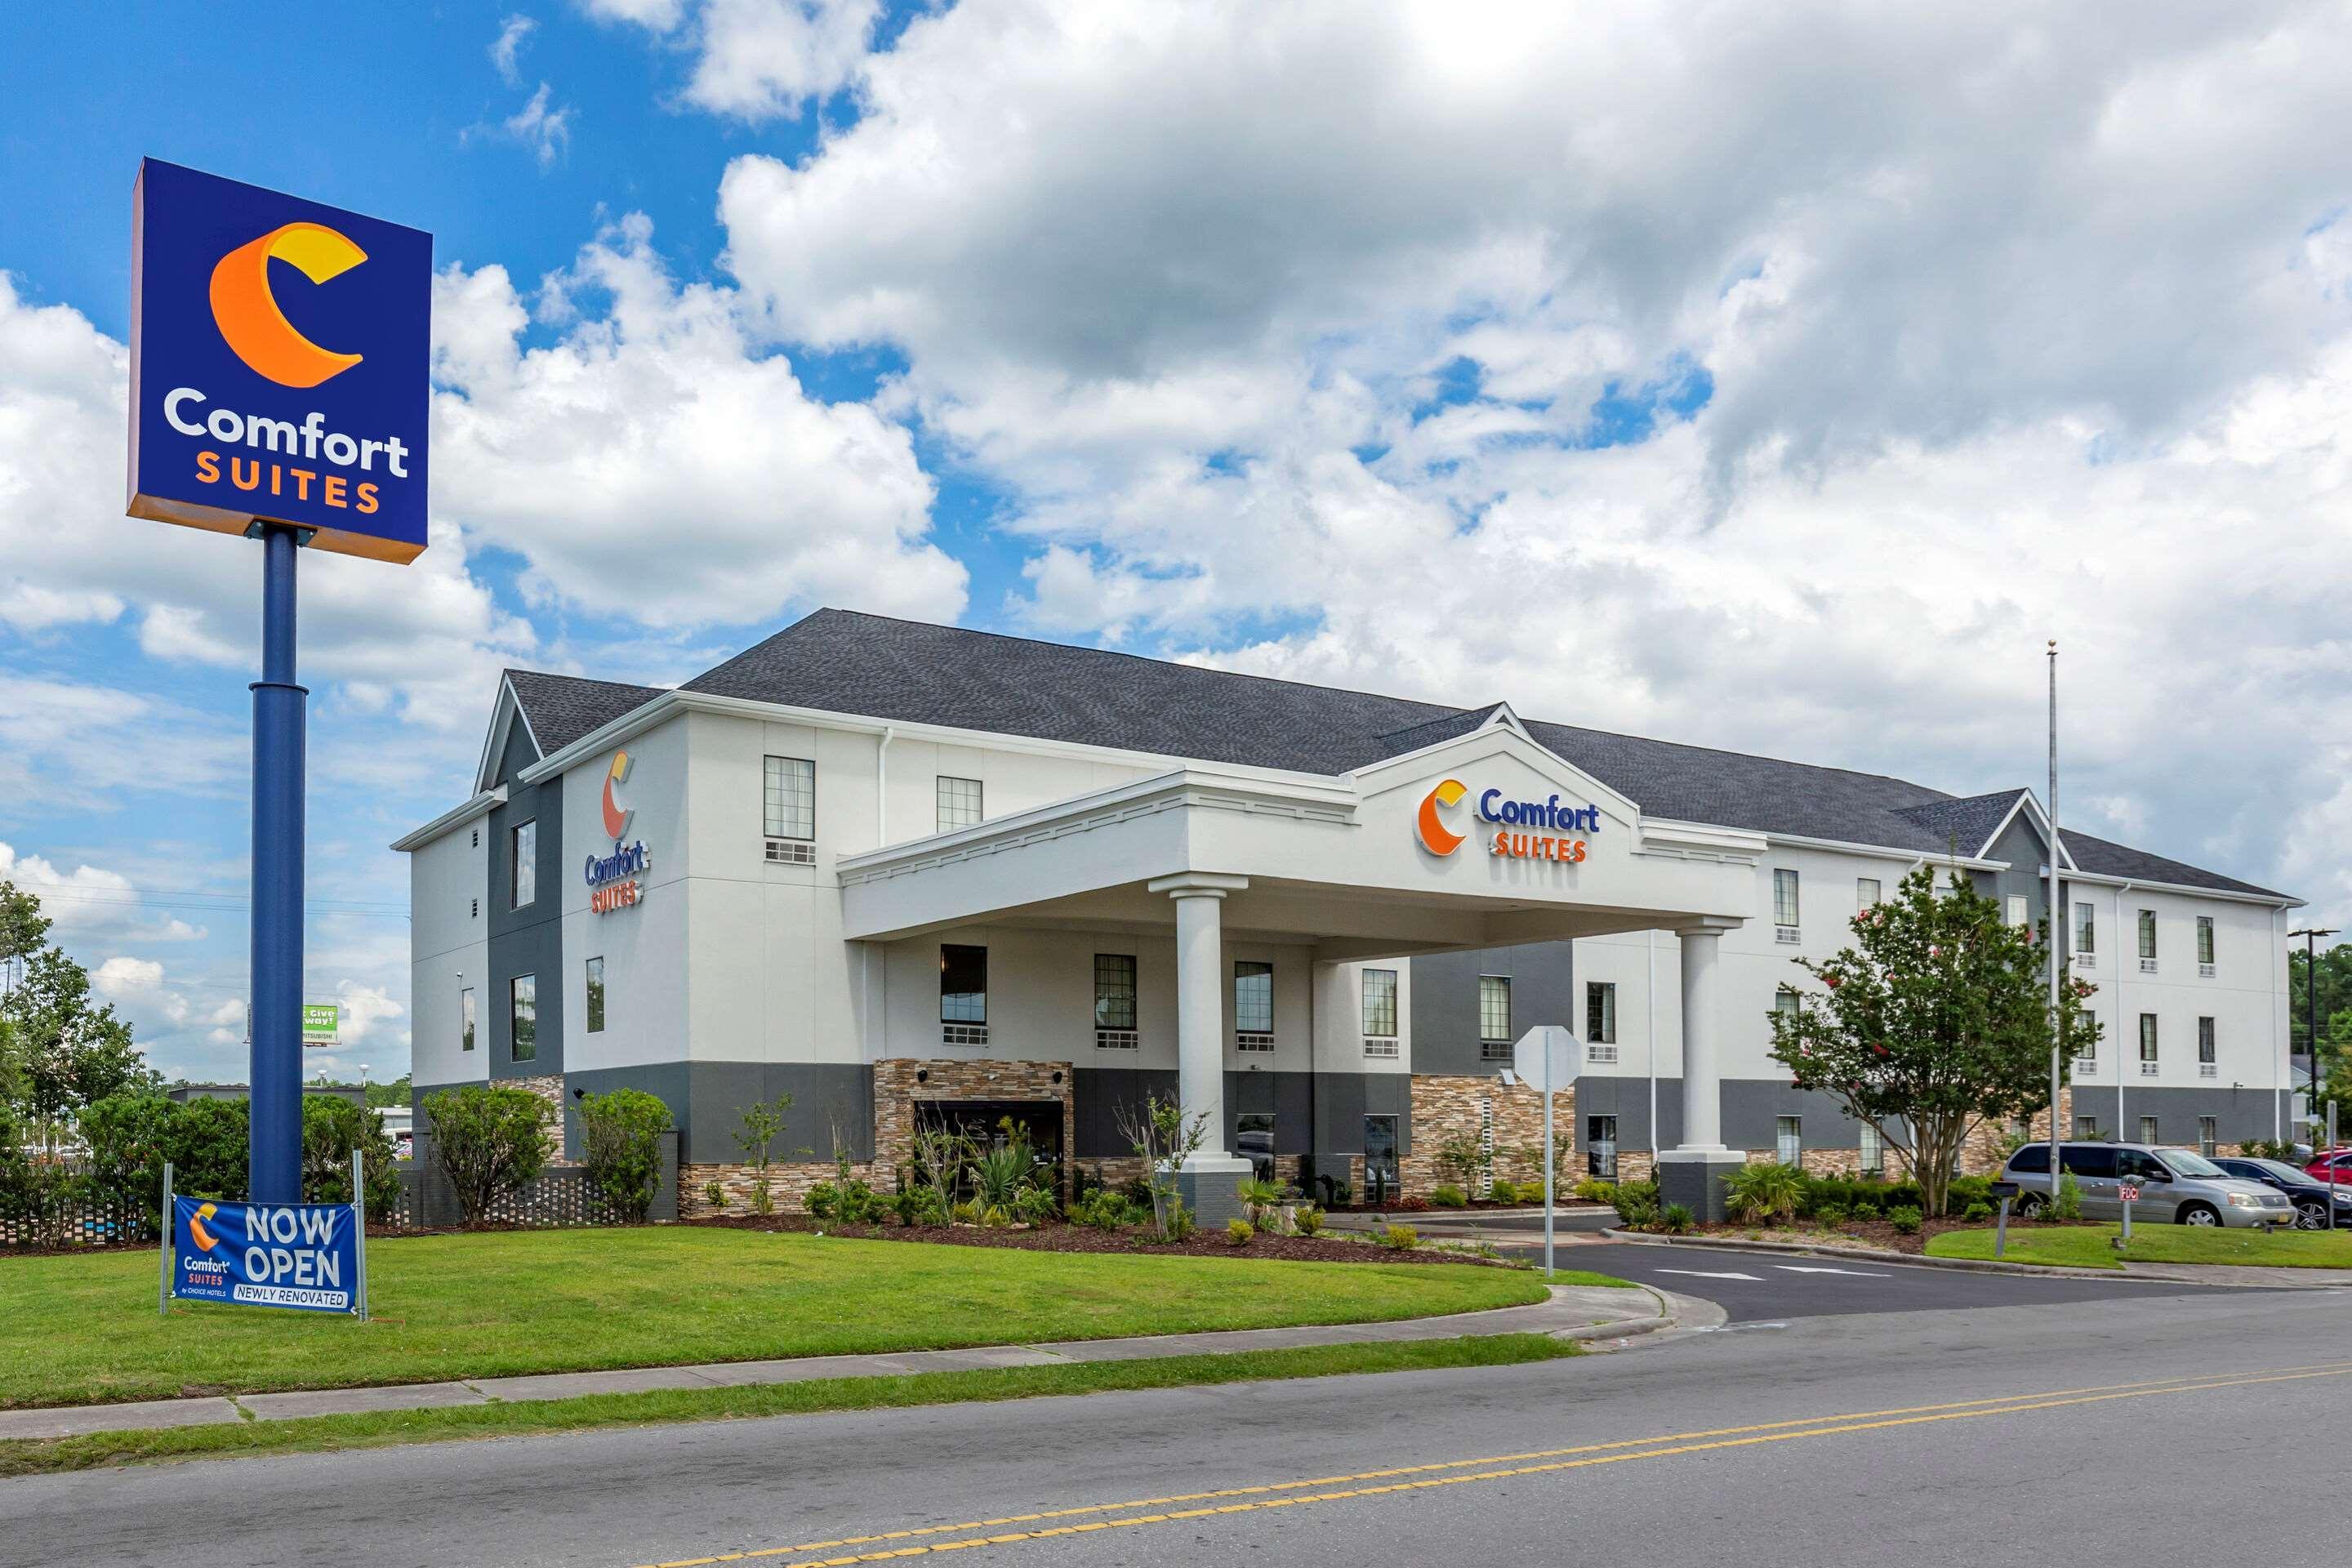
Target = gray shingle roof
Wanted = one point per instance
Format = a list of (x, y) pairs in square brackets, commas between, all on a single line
[(914, 672), (562, 708)]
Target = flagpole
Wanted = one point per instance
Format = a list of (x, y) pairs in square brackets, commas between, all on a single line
[(2057, 1045)]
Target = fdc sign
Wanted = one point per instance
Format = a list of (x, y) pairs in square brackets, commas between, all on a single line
[(278, 356), (305, 1255)]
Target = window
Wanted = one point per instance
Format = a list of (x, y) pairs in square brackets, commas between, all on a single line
[(959, 802), (1380, 1004), (595, 995), (522, 1016), (1784, 904), (1601, 1146), (2148, 1044), (2205, 945), (1865, 893), (466, 1019), (1380, 1158), (1495, 1017), (1253, 1006), (790, 798), (2208, 1060), (2085, 1128), (2086, 935), (1254, 1142), (1789, 1139), (2148, 1133), (963, 996), (2097, 1160), (1874, 1151), (1785, 1000), (2018, 911), (1115, 1002), (1600, 1013), (523, 865), (2208, 1134), (2148, 941)]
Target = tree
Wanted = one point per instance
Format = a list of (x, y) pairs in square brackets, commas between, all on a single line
[(1163, 1141), (2334, 1074), (491, 1141), (2335, 971), (24, 930), (763, 1119), (331, 1128), (622, 1131), (68, 1054), (1936, 1022)]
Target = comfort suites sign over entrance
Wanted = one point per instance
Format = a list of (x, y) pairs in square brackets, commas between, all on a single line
[(1515, 830)]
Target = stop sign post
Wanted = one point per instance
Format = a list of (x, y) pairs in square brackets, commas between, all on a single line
[(1544, 1056)]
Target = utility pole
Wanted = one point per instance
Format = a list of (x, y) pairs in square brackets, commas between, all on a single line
[(2311, 935), (2057, 1045)]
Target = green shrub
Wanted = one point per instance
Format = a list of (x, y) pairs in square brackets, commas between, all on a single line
[(920, 1205), (714, 1194), (492, 1143), (1761, 1194), (1308, 1219), (1965, 1191), (1238, 1231), (1103, 1209), (1637, 1203), (1830, 1213), (1977, 1212), (2068, 1205), (966, 1212), (1402, 1238), (823, 1200), (1502, 1192), (622, 1135), (1904, 1218), (128, 1135), (1675, 1220), (1034, 1205), (994, 1218), (1446, 1195), (1592, 1190), (1865, 1210), (1530, 1191), (1853, 1191)]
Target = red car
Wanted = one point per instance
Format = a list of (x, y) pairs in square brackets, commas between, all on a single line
[(2339, 1158)]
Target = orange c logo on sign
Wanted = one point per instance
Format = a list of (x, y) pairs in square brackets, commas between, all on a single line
[(250, 322), (1432, 832)]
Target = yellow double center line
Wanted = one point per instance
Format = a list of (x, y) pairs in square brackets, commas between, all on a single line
[(919, 1542)]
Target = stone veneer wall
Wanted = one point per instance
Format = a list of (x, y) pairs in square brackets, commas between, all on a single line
[(1447, 1105), (550, 1090), (896, 1092)]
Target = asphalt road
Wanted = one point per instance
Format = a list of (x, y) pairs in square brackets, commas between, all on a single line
[(1987, 1434)]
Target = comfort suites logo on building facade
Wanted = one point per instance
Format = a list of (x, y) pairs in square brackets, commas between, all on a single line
[(613, 878), (1543, 827), (279, 359)]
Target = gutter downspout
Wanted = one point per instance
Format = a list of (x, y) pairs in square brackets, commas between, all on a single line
[(882, 788), (2281, 1078)]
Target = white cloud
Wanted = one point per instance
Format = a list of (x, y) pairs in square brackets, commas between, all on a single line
[(506, 49), (90, 903), (653, 465), (366, 1008), (543, 126), (1294, 331), (757, 60)]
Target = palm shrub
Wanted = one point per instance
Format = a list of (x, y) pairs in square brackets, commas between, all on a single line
[(1762, 1194), (1675, 1220), (1262, 1199), (492, 1143), (999, 1174)]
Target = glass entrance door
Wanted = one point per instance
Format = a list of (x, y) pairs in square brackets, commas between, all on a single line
[(1380, 1158)]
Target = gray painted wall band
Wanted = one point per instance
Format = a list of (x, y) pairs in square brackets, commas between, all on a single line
[(528, 941), (1445, 1001)]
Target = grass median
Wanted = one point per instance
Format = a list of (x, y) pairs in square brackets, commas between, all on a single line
[(539, 1418), (83, 1328), (2091, 1246)]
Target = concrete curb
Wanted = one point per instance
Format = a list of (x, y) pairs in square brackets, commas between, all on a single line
[(1962, 1264), (1567, 1313)]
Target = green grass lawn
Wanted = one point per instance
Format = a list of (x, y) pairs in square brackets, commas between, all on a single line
[(2086, 1246), (528, 1418), (78, 1330)]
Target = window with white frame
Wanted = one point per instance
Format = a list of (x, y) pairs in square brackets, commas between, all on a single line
[(2209, 1133), (1789, 1137), (2205, 946), (1253, 1006), (1115, 1002), (1865, 894), (1784, 904), (959, 802), (523, 865), (2086, 1131), (2087, 933), (1785, 1000), (1380, 988), (2209, 1063), (963, 995), (1600, 1019), (1873, 1150), (2148, 942), (2018, 910), (2149, 1130), (789, 799), (2147, 1057), (1495, 1017)]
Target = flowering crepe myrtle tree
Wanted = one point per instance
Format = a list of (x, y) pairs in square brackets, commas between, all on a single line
[(1934, 1023)]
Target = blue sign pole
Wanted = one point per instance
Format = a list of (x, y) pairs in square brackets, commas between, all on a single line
[(274, 1153)]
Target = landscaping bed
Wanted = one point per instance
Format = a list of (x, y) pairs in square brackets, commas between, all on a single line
[(1264, 1245)]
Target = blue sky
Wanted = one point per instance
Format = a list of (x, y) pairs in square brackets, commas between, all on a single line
[(1614, 371)]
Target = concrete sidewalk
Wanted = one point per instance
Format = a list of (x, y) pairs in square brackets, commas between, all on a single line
[(1574, 1311)]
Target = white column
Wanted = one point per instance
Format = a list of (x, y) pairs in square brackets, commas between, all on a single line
[(1201, 1005), (1702, 1026)]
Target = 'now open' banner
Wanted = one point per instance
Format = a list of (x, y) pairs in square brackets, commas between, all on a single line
[(304, 1256)]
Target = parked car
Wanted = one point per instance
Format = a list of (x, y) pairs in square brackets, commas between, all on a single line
[(2176, 1184), (2309, 1197), (2316, 1166)]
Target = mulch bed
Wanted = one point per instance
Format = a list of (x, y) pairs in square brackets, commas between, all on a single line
[(1086, 1238)]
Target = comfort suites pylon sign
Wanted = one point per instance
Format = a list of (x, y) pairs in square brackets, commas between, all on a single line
[(1517, 829)]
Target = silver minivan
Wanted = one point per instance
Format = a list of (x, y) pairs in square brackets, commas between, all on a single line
[(2176, 1184)]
